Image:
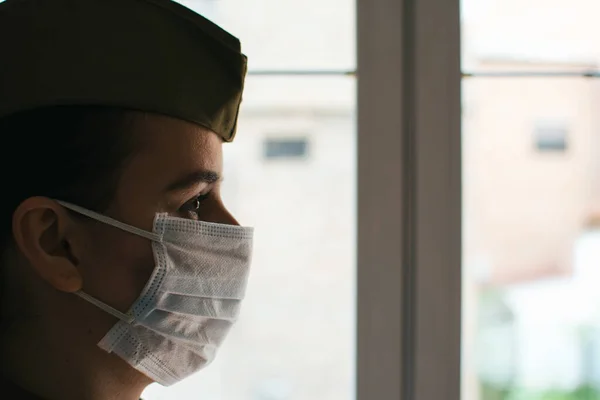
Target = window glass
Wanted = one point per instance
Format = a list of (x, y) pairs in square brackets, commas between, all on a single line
[(286, 34), (290, 173), (531, 193)]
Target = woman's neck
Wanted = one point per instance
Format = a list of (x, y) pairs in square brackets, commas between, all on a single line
[(60, 364), (15, 392)]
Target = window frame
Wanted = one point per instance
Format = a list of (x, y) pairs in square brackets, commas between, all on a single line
[(409, 200)]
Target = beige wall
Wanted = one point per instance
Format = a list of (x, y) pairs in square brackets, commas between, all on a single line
[(525, 207)]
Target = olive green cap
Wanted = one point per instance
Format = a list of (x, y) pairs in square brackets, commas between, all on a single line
[(149, 55)]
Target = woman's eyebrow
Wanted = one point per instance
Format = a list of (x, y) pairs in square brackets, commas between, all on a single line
[(192, 179)]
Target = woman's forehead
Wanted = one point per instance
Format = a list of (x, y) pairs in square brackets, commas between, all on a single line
[(167, 147), (175, 140), (166, 151)]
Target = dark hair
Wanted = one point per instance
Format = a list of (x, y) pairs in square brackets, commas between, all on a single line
[(70, 153)]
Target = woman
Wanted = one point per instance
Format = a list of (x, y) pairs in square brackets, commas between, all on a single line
[(121, 265)]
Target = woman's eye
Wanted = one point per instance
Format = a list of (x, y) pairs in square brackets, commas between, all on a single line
[(194, 205)]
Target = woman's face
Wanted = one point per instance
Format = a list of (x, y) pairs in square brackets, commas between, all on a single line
[(176, 169)]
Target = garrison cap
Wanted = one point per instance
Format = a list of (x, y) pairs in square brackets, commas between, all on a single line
[(148, 55)]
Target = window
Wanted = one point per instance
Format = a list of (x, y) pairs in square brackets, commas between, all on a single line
[(288, 148), (295, 336), (551, 137), (529, 229), (531, 216)]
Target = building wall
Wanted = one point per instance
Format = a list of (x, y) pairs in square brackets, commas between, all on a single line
[(524, 210), (527, 206)]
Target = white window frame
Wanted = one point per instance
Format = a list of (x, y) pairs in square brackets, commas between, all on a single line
[(409, 200)]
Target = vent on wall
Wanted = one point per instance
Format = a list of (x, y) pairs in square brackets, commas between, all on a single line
[(551, 137), (285, 148)]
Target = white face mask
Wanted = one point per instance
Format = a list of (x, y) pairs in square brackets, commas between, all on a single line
[(190, 302)]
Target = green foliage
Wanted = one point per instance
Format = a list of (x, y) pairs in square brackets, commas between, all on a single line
[(495, 392)]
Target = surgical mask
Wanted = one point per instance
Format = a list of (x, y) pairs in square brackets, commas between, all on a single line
[(189, 304)]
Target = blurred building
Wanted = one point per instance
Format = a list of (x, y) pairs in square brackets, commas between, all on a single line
[(531, 190), (290, 173), (531, 166)]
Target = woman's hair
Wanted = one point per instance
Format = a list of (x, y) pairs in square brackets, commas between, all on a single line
[(69, 153)]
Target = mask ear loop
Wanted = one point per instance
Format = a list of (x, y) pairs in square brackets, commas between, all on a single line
[(120, 225), (113, 311), (112, 222)]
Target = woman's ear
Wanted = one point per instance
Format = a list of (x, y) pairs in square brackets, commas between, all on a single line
[(41, 228)]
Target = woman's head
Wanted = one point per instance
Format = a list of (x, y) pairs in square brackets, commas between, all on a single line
[(71, 76), (127, 165)]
